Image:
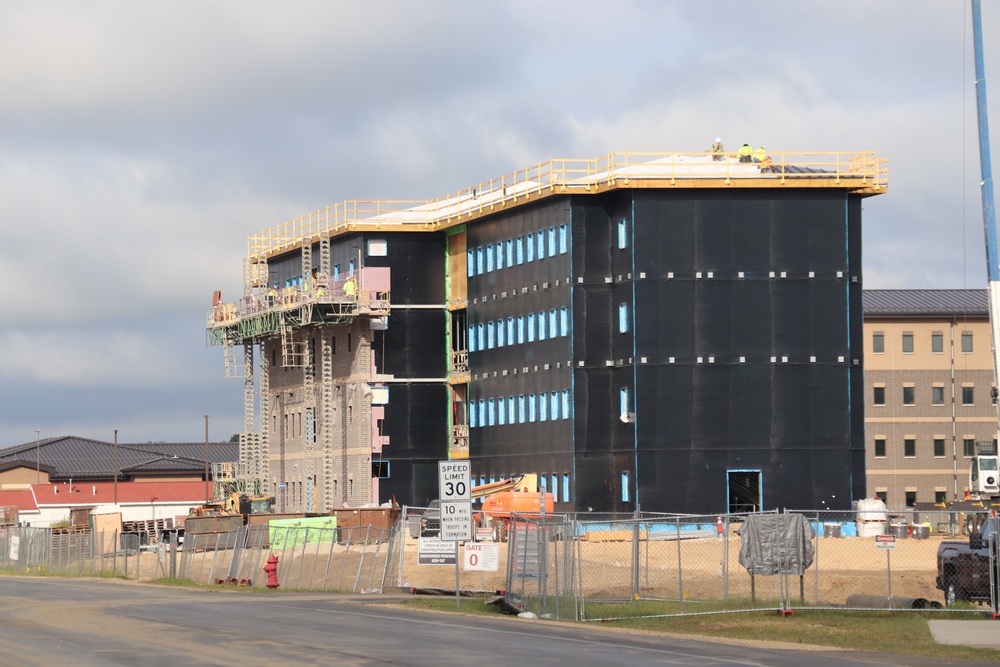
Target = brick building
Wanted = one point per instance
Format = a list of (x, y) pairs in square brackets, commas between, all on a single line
[(928, 384)]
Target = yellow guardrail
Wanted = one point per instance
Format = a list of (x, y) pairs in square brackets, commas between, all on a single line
[(860, 170)]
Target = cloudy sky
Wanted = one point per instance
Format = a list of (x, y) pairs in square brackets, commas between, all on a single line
[(142, 142)]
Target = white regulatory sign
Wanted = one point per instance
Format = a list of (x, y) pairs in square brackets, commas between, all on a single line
[(454, 480), (456, 520)]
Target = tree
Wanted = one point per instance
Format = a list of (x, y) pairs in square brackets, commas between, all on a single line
[(235, 438)]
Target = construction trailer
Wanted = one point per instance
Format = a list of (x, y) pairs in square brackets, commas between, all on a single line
[(663, 329)]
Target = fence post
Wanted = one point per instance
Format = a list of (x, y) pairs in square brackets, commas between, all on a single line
[(680, 574), (635, 553)]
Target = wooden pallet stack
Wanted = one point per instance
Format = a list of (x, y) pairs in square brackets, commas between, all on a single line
[(151, 527)]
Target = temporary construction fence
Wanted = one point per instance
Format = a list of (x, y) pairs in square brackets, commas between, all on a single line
[(352, 559), (661, 565), (584, 566)]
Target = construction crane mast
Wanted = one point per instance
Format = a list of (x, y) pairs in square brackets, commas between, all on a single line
[(984, 477)]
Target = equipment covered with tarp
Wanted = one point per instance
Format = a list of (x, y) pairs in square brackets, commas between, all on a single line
[(776, 544)]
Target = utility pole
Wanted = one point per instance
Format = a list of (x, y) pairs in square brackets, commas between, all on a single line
[(208, 497)]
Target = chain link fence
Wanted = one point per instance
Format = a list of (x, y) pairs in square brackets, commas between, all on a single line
[(586, 566), (354, 559), (603, 568)]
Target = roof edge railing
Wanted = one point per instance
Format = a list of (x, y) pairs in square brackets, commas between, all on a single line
[(859, 168)]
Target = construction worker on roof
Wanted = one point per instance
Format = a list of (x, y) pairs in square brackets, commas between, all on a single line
[(744, 153), (760, 154), (718, 152), (349, 288)]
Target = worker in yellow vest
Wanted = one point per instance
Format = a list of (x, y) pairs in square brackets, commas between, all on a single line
[(760, 154), (744, 153)]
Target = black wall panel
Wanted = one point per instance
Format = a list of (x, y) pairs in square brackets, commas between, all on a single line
[(416, 421)]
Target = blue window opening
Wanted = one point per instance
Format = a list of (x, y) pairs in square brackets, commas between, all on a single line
[(541, 325), (554, 487), (482, 412), (564, 322), (520, 250), (565, 404), (500, 336), (531, 408), (520, 409), (481, 336), (490, 335), (623, 317), (622, 234), (626, 491), (510, 410), (531, 327), (530, 248), (553, 323), (543, 407), (470, 260), (520, 329), (554, 404), (489, 259), (336, 272), (501, 411), (491, 411), (472, 415), (552, 241), (510, 253), (541, 245), (350, 268), (499, 255), (510, 330), (472, 338), (563, 239), (480, 264), (623, 404)]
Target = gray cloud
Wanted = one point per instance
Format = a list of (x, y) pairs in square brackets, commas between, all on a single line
[(143, 142)]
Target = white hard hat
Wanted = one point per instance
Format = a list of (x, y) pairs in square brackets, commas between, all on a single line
[(718, 139)]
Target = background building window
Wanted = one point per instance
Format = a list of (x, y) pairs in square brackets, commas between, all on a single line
[(907, 343), (909, 448), (622, 233), (937, 343), (939, 447), (968, 395), (940, 497), (880, 448), (878, 343), (878, 395), (937, 395), (883, 496), (911, 498), (969, 447), (623, 317), (909, 396), (967, 342)]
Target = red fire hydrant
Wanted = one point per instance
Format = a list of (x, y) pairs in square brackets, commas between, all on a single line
[(271, 568)]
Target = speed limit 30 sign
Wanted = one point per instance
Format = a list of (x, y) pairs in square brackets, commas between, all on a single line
[(454, 482)]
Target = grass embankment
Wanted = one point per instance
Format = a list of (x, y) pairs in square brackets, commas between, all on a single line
[(905, 633)]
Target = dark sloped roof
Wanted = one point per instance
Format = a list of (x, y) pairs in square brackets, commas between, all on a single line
[(927, 302), (70, 456)]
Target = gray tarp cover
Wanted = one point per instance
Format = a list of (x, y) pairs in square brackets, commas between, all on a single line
[(776, 544)]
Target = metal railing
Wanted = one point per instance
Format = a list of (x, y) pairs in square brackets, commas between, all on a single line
[(860, 169)]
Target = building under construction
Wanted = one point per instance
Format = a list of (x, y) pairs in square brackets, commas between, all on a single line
[(666, 329)]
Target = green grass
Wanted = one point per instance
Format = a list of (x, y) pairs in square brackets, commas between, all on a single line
[(904, 633), (39, 571)]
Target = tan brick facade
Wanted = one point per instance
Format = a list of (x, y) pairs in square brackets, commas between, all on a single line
[(928, 383), (347, 452)]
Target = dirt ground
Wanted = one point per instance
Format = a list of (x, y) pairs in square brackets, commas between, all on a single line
[(705, 568)]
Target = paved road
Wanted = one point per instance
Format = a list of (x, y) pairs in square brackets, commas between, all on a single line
[(99, 623)]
